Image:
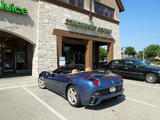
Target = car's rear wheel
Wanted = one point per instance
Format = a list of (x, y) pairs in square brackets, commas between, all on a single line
[(41, 82), (151, 78), (73, 96)]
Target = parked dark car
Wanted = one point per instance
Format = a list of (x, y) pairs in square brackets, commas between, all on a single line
[(132, 68), (81, 87)]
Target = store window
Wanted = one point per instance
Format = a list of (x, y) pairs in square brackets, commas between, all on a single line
[(16, 55), (81, 3), (103, 10), (78, 3), (72, 2)]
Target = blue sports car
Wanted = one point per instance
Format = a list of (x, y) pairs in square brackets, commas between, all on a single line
[(79, 87)]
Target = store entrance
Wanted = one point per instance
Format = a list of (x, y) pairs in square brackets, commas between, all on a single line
[(74, 54)]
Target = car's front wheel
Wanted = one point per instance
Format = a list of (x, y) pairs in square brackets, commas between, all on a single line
[(151, 78), (73, 96), (42, 82)]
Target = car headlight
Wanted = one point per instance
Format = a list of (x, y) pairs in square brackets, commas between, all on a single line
[(159, 72)]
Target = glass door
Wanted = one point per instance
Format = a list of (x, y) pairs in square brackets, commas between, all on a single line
[(8, 64), (74, 54)]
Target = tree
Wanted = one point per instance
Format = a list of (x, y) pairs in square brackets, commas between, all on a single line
[(151, 51), (103, 54), (130, 51), (140, 54), (158, 51)]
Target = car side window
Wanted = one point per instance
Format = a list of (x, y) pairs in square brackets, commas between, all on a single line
[(128, 63), (117, 63)]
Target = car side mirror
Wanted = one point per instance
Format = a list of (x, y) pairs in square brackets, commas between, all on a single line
[(52, 74)]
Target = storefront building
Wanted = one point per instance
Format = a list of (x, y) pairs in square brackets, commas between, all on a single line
[(36, 34)]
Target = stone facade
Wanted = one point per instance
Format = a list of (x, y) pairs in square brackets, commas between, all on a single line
[(37, 28)]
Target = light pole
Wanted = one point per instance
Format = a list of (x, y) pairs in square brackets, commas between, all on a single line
[(144, 53)]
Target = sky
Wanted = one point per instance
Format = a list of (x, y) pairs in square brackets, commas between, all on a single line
[(140, 23)]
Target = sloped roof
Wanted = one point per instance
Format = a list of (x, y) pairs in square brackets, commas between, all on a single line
[(120, 5)]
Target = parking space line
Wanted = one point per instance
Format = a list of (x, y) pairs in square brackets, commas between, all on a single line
[(17, 86), (45, 104), (131, 99), (16, 83), (145, 85)]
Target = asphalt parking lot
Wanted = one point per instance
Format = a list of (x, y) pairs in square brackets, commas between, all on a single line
[(22, 99)]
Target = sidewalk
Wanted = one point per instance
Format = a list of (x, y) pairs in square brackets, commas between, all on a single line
[(17, 81)]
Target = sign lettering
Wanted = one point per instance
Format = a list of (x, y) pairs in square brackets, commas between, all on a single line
[(13, 8), (87, 26)]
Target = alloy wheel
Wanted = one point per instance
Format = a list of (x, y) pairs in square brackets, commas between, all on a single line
[(72, 96), (41, 82), (151, 78)]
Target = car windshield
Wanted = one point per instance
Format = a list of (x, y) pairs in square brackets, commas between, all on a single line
[(139, 63)]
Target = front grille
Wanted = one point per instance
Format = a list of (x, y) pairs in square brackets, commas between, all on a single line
[(106, 91)]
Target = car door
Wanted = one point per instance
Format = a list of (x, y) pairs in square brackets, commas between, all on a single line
[(117, 67), (56, 82), (131, 70)]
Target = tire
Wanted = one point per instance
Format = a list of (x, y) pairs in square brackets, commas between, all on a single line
[(73, 96), (151, 78), (41, 82)]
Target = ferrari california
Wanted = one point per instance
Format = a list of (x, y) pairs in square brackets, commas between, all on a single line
[(80, 86)]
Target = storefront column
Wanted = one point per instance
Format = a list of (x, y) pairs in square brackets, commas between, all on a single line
[(88, 57), (97, 54), (59, 48), (110, 52)]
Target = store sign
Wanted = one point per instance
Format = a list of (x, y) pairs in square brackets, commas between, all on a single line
[(87, 26), (13, 8)]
